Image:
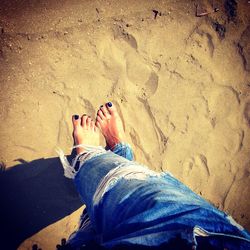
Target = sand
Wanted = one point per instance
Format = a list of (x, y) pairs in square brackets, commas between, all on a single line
[(181, 84)]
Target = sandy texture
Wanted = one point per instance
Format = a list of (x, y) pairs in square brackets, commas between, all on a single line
[(181, 83)]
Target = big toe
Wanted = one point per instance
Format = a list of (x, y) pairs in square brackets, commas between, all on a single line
[(76, 121), (111, 108)]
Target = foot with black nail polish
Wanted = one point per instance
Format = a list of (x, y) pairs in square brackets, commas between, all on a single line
[(84, 132), (110, 125)]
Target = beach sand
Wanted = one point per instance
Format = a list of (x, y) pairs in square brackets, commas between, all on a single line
[(181, 83)]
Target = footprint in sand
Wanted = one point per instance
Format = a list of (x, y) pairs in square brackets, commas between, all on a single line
[(152, 83), (87, 106), (223, 102), (138, 70), (141, 74), (201, 43), (121, 33)]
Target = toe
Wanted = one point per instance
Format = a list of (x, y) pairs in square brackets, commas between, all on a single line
[(100, 114), (104, 111), (98, 124), (83, 120), (111, 108), (88, 122), (99, 119), (76, 121), (92, 125)]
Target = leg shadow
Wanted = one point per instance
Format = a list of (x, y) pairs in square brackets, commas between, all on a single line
[(33, 196)]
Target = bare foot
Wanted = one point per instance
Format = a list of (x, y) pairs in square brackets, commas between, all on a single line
[(84, 132), (110, 124)]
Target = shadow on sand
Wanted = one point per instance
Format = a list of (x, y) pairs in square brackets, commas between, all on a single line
[(33, 196)]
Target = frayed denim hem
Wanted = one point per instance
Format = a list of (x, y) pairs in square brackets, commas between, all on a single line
[(70, 170)]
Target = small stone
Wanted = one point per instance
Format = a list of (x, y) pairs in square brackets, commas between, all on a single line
[(155, 13)]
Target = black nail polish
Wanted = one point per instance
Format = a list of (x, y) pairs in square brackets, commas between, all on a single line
[(101, 106), (76, 117), (84, 114), (63, 241), (109, 104)]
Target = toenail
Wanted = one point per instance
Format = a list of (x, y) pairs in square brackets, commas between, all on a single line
[(101, 106), (109, 104), (76, 117), (84, 114)]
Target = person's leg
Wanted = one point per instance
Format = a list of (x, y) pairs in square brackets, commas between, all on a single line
[(85, 132), (173, 203), (88, 168), (110, 125), (138, 203)]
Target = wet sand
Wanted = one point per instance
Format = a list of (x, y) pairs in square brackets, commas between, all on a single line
[(180, 80)]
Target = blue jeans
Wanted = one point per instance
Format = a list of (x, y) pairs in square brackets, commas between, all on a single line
[(127, 205)]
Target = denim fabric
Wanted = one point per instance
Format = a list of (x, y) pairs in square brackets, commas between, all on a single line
[(124, 150), (87, 233), (147, 211)]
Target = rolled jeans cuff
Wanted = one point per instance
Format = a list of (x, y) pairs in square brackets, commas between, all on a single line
[(70, 170), (124, 149)]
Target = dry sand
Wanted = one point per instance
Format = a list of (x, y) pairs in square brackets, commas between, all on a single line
[(181, 83)]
